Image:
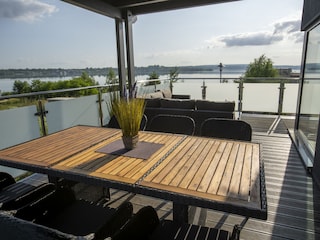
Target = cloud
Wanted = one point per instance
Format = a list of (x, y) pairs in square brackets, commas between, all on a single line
[(284, 29), (250, 39), (25, 10), (287, 26)]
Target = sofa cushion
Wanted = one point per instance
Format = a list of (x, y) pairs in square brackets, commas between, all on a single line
[(166, 93), (177, 103), (153, 102), (154, 95), (215, 106)]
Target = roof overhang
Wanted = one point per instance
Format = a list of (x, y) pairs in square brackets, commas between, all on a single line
[(118, 8)]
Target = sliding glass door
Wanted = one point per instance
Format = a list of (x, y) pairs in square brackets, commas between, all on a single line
[(310, 95)]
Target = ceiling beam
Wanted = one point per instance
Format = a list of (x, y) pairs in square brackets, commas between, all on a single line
[(97, 6), (159, 5)]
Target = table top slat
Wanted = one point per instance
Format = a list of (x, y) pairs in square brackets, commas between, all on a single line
[(195, 161), (255, 181), (169, 164), (206, 158), (217, 177), (214, 157), (224, 188), (237, 173), (244, 190)]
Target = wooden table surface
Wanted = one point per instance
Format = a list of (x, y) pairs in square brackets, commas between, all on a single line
[(212, 170), (205, 172)]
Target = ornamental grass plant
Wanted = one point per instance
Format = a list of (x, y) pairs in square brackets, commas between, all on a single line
[(128, 112)]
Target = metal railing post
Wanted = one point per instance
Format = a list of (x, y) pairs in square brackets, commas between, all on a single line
[(42, 117), (281, 95), (240, 96), (100, 100)]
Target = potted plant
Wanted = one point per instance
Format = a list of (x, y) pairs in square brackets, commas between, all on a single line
[(129, 113)]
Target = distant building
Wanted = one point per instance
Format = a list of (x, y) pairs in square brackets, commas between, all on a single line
[(287, 72)]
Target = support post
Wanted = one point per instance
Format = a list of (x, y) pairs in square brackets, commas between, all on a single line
[(129, 20), (121, 55)]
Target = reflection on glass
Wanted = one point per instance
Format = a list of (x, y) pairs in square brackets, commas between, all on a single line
[(310, 99)]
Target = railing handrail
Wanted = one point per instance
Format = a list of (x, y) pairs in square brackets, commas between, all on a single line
[(54, 91), (267, 80)]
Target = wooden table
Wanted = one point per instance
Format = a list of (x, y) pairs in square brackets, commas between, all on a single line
[(205, 172)]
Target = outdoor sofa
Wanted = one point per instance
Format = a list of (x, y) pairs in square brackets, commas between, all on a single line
[(162, 102)]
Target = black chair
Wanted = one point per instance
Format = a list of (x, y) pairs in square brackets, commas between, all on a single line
[(145, 225), (15, 195), (172, 124), (63, 212), (113, 123), (226, 128)]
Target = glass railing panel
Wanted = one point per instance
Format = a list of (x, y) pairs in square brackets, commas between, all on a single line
[(105, 112), (222, 92), (290, 98), (188, 87), (215, 91), (148, 86), (69, 113), (260, 97), (17, 126)]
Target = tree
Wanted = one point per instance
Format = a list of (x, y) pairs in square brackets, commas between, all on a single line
[(152, 76), (261, 67), (111, 77), (173, 76), (21, 87)]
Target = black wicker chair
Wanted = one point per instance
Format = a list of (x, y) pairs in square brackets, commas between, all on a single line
[(15, 195), (63, 212), (113, 123), (226, 128), (145, 225), (172, 124)]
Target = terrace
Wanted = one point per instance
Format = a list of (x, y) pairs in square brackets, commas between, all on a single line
[(292, 190)]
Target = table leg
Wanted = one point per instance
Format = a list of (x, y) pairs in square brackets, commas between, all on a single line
[(180, 213)]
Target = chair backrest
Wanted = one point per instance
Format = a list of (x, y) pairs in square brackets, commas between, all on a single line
[(5, 180), (226, 128), (113, 122), (172, 124)]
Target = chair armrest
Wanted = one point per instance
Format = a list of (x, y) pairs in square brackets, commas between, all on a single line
[(29, 197), (121, 216), (15, 228), (49, 203)]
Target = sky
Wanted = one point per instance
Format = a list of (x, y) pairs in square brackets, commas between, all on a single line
[(55, 34)]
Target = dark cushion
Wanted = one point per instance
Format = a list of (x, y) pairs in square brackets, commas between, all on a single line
[(153, 102), (177, 103), (215, 106)]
